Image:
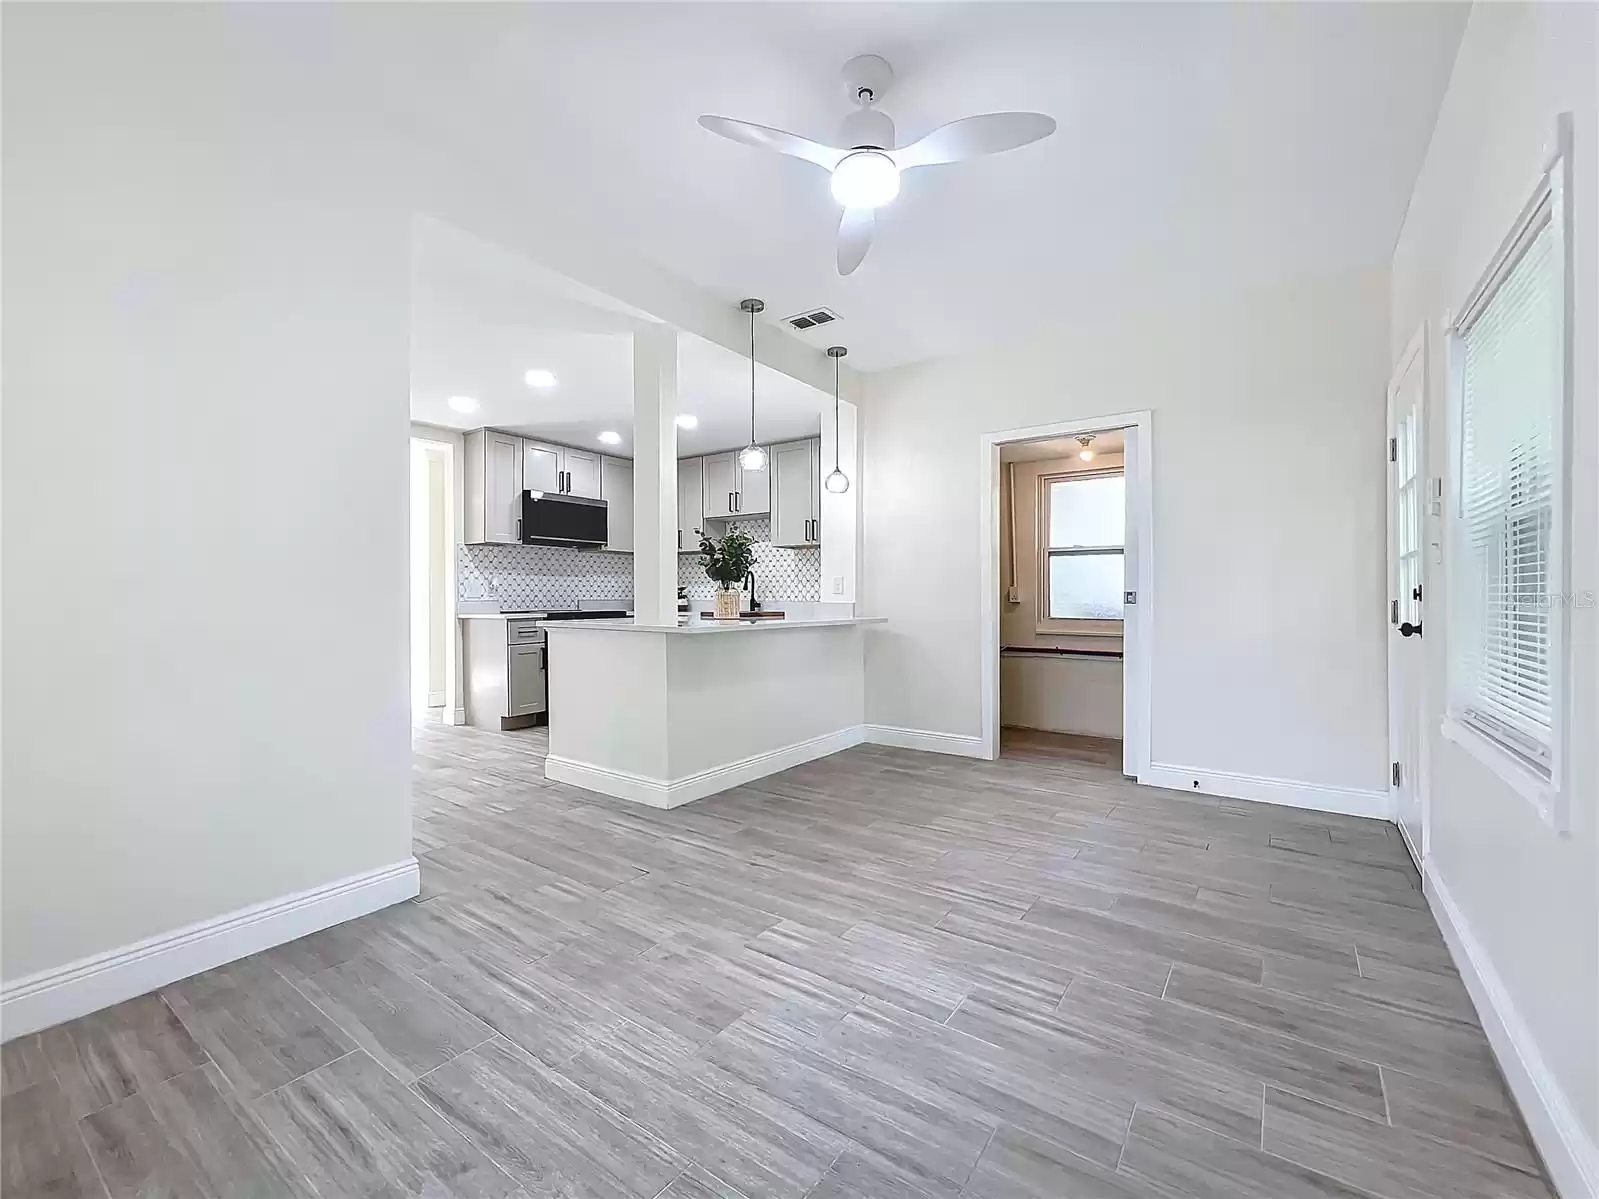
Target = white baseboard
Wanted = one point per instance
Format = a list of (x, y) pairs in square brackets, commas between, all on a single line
[(672, 793), (1569, 1154), (455, 716), (1317, 797), (89, 984), (435, 699), (937, 743)]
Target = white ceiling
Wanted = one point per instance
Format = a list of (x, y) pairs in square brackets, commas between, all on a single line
[(481, 319), (1245, 143), (1110, 442)]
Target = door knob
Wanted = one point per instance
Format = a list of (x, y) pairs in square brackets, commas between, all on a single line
[(1410, 630)]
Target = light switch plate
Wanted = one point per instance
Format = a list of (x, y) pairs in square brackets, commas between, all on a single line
[(838, 584)]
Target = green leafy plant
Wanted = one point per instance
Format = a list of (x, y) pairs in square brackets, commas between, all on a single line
[(727, 559)]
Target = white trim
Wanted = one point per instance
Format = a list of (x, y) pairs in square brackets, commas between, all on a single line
[(1137, 671), (1519, 776), (89, 984), (1288, 793), (937, 743), (672, 793), (436, 698), (455, 715), (1571, 1158)]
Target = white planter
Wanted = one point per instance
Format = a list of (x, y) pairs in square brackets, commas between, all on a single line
[(727, 603)]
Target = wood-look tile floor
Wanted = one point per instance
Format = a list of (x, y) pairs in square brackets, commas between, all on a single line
[(882, 974)]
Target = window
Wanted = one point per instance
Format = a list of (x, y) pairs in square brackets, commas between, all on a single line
[(1509, 367), (1083, 522)]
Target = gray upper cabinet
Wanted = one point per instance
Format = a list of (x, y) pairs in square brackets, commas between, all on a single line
[(560, 470), (690, 503), (796, 493), (582, 472), (730, 490), (492, 486), (616, 489)]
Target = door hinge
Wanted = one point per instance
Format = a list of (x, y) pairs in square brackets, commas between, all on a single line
[(1393, 611), (1129, 597), (1396, 774), (1393, 449)]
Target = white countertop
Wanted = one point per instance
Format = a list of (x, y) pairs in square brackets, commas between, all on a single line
[(697, 626)]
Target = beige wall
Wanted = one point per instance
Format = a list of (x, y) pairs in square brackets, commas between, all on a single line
[(1064, 695), (1528, 895)]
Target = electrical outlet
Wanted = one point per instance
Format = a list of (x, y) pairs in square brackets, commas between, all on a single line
[(838, 584)]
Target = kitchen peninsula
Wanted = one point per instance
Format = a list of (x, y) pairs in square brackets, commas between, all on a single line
[(663, 715)]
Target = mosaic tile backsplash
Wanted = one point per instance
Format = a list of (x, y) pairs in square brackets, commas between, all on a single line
[(548, 576), (780, 572)]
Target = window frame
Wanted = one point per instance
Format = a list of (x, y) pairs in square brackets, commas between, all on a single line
[(1545, 789), (1072, 626)]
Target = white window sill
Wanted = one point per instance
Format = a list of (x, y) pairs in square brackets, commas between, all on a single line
[(1526, 782)]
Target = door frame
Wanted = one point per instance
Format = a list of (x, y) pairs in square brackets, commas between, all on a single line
[(1414, 354), (1136, 666), (449, 443)]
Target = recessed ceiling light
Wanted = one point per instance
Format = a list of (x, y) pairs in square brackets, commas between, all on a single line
[(539, 378), (687, 420), (462, 403), (611, 437)]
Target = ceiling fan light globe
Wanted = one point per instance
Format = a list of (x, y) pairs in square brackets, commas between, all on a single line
[(865, 179), (752, 457), (837, 482)]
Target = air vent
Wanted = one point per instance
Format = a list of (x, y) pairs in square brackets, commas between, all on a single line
[(813, 319)]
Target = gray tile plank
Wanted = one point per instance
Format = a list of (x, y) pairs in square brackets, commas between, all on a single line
[(1183, 1161), (405, 1025), (119, 1051), (189, 1136), (1389, 1162), (23, 1063), (41, 1152), (1107, 928), (1467, 1118), (547, 1133), (252, 1022), (1018, 1165), (1266, 1055), (353, 1129)]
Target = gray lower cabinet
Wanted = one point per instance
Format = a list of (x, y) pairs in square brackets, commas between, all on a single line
[(796, 493), (506, 672)]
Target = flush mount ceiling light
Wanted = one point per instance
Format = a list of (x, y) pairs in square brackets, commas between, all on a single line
[(611, 437), (838, 481), (687, 420), (1086, 454), (462, 403), (539, 378), (753, 456), (865, 164)]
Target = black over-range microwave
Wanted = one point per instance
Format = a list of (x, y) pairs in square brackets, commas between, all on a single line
[(549, 519)]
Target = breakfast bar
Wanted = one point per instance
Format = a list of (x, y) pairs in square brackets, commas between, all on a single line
[(663, 715)]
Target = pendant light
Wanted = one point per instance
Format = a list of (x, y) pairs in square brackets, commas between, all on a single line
[(1086, 454), (753, 457), (838, 481)]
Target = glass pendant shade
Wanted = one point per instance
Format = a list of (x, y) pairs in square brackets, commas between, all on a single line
[(837, 482), (752, 457)]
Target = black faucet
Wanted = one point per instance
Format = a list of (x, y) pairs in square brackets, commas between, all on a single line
[(749, 582)]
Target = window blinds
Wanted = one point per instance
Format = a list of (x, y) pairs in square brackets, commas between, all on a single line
[(1512, 387)]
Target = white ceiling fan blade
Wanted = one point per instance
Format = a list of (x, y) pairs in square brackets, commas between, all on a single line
[(972, 137), (854, 237), (791, 144)]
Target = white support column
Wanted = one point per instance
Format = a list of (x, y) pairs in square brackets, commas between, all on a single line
[(655, 476)]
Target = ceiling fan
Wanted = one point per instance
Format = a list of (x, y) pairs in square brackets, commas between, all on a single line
[(867, 165)]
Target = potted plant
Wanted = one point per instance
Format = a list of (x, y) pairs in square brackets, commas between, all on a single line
[(727, 560)]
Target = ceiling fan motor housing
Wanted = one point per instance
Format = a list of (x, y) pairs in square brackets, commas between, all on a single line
[(867, 127)]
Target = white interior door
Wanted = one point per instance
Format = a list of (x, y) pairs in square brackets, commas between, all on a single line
[(1406, 661), (1136, 599)]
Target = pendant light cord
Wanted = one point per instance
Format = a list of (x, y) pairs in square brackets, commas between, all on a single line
[(835, 415), (752, 376)]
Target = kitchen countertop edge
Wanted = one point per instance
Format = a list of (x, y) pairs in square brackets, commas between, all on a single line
[(699, 627)]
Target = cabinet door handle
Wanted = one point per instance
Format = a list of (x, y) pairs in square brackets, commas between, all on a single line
[(738, 501)]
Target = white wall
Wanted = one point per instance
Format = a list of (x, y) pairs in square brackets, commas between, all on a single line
[(195, 257), (1058, 694), (1268, 521), (1528, 896)]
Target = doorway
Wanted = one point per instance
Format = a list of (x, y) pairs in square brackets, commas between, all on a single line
[(1066, 563), (1406, 658), (432, 653)]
